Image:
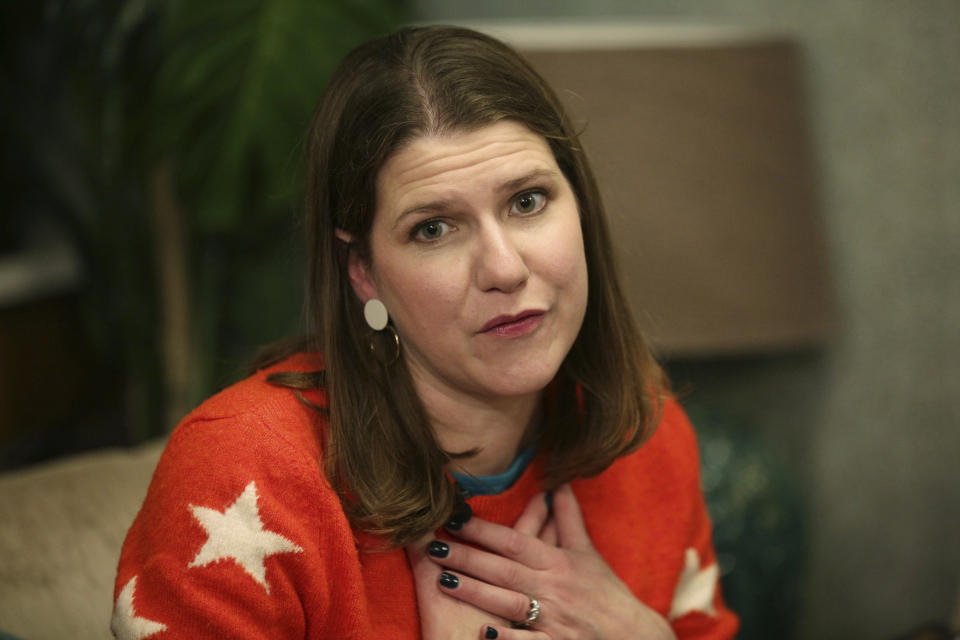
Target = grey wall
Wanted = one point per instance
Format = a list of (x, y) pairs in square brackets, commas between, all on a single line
[(871, 427)]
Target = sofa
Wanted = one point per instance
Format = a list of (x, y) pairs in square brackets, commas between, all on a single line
[(62, 525), (61, 528)]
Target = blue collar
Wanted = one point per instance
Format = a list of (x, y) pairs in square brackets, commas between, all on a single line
[(491, 485)]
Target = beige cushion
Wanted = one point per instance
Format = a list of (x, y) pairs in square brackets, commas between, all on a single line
[(61, 528)]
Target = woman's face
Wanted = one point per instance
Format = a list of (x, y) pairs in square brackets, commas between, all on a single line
[(477, 253)]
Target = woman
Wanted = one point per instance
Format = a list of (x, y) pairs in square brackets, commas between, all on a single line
[(455, 452)]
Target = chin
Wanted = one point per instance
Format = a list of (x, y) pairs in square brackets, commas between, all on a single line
[(521, 382)]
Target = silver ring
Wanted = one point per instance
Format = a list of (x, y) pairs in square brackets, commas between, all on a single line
[(533, 613)]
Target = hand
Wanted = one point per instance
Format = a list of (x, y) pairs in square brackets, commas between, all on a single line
[(442, 617), (580, 596)]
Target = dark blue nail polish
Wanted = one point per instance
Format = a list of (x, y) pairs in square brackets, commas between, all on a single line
[(438, 549), (548, 498), (491, 633), (449, 580), (462, 493), (461, 514)]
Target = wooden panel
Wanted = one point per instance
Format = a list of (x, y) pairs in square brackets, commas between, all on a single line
[(703, 158)]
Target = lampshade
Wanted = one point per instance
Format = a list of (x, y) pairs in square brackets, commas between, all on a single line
[(699, 142)]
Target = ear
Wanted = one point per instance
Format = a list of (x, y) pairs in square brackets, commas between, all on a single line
[(358, 269)]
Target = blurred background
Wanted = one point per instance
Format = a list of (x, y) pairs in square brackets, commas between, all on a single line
[(149, 245)]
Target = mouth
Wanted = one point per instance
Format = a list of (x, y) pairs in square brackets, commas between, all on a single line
[(515, 325)]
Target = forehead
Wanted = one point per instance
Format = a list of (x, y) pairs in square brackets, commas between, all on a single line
[(477, 158)]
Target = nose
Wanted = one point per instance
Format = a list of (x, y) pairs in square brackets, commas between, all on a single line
[(499, 263)]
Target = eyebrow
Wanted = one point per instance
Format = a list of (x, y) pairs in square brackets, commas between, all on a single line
[(438, 206)]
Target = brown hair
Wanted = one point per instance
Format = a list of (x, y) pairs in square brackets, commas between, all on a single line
[(381, 453)]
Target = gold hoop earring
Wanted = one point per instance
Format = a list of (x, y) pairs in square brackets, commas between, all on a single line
[(388, 356), (378, 319)]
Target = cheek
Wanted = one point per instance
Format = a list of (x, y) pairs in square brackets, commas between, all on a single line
[(418, 295), (565, 261)]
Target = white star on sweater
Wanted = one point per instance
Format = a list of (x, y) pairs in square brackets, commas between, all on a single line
[(696, 588), (238, 534), (126, 624)]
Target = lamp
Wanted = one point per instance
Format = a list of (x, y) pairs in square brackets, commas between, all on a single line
[(699, 143)]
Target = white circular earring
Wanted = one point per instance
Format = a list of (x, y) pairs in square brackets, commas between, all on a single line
[(375, 313)]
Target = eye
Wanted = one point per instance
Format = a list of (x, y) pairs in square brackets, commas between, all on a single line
[(529, 202), (430, 230)]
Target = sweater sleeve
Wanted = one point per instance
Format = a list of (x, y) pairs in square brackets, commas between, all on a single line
[(698, 611), (239, 537)]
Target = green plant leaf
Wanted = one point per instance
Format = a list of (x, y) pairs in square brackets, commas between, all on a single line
[(235, 95)]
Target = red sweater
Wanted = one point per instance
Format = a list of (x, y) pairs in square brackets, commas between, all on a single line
[(242, 536)]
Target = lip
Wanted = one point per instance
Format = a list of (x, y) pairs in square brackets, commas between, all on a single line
[(515, 325)]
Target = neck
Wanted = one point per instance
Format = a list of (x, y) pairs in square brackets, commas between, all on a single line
[(493, 428)]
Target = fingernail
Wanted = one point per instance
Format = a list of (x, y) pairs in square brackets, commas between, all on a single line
[(438, 549), (461, 514), (449, 580), (462, 493), (548, 498), (491, 633)]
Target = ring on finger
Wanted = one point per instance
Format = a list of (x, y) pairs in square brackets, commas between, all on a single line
[(533, 614)]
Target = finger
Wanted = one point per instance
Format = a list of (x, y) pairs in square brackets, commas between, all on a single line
[(506, 633), (497, 601), (548, 535), (534, 516), (482, 564), (571, 532), (507, 542)]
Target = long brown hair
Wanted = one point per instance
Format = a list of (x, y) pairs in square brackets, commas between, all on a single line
[(380, 451)]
